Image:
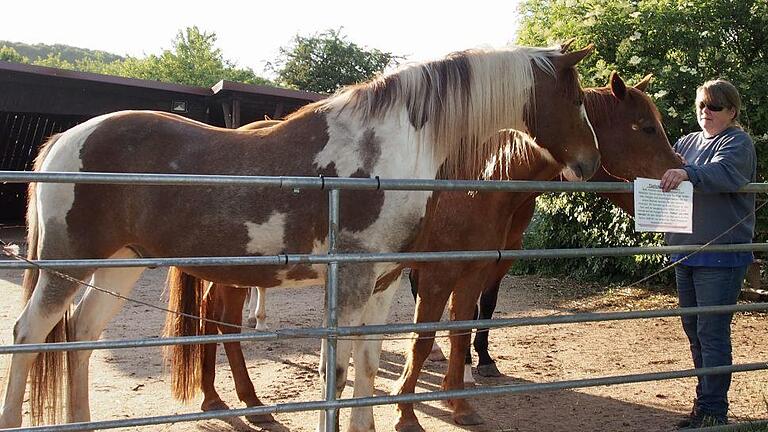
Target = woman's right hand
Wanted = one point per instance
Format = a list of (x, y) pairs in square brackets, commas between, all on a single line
[(672, 179)]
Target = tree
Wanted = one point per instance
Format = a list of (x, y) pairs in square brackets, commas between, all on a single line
[(11, 55), (683, 43), (326, 61), (194, 60)]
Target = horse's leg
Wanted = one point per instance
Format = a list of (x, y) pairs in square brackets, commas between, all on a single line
[(232, 300), (486, 366), (367, 355), (463, 300), (91, 316), (51, 298), (468, 378), (213, 310), (436, 354), (257, 309), (356, 284), (429, 308)]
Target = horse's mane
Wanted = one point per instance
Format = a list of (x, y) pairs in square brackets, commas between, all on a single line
[(45, 148), (447, 101), (600, 104), (516, 151)]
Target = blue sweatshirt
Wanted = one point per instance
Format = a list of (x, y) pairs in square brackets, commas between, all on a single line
[(718, 167)]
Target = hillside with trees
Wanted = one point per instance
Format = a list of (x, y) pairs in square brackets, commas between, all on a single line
[(321, 62), (67, 53)]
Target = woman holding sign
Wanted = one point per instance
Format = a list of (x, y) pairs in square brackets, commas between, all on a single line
[(719, 160)]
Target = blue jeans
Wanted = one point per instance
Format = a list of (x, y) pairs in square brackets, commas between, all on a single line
[(710, 335)]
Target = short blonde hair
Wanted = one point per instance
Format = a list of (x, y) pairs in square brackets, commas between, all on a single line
[(720, 92)]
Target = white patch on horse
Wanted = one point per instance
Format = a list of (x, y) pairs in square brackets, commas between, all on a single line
[(267, 238), (343, 147), (586, 119), (54, 200)]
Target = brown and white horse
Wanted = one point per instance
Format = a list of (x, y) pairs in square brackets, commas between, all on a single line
[(632, 144), (405, 124)]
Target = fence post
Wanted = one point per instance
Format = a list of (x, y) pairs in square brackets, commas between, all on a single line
[(331, 293)]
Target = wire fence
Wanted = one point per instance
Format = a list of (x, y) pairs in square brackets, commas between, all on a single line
[(333, 258)]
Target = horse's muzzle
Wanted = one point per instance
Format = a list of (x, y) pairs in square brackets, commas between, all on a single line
[(581, 170)]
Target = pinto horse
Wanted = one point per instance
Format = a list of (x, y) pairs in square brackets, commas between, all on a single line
[(616, 109), (406, 124), (632, 144)]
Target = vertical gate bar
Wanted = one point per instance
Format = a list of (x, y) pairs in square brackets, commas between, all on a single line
[(331, 292)]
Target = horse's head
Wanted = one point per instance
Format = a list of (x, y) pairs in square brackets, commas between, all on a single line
[(628, 126), (558, 119)]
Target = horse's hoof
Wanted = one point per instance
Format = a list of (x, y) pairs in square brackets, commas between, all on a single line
[(488, 370), (408, 426), (468, 419), (252, 322), (214, 406), (9, 422), (260, 419)]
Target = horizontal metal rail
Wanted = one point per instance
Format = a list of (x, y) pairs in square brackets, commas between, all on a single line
[(412, 397), (297, 182), (370, 330), (292, 259)]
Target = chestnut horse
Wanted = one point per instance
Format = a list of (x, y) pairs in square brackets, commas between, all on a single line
[(406, 124), (615, 110), (632, 144)]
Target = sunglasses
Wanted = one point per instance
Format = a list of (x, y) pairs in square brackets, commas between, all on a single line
[(715, 108)]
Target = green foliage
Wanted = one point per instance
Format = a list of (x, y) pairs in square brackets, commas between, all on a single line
[(11, 55), (326, 61), (68, 53), (683, 43), (194, 60), (577, 220)]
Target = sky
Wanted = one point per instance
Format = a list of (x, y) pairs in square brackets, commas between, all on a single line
[(251, 34)]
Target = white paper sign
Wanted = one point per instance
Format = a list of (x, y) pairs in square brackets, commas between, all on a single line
[(660, 211)]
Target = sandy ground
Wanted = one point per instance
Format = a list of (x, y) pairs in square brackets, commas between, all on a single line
[(133, 382)]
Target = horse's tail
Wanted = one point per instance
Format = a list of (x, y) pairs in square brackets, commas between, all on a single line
[(46, 376), (185, 293)]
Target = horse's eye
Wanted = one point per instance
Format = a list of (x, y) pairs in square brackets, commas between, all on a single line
[(649, 129)]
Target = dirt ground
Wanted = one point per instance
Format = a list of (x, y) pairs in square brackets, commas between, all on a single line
[(133, 382)]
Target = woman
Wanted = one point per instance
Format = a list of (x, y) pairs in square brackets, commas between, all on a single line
[(719, 160)]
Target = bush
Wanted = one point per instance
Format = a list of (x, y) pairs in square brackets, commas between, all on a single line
[(575, 220), (683, 43)]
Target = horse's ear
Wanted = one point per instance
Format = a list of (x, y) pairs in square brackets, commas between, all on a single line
[(566, 45), (643, 84), (267, 118), (618, 88), (570, 59)]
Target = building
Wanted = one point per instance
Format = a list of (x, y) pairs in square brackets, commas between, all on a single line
[(37, 102)]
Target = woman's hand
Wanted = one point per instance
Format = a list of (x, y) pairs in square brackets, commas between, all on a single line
[(672, 179)]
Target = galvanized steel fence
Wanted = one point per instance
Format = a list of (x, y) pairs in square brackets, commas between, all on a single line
[(331, 332)]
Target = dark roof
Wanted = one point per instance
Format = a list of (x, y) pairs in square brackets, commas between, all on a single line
[(221, 86), (236, 87)]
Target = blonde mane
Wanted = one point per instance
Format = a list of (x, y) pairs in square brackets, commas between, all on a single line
[(515, 150), (457, 103)]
